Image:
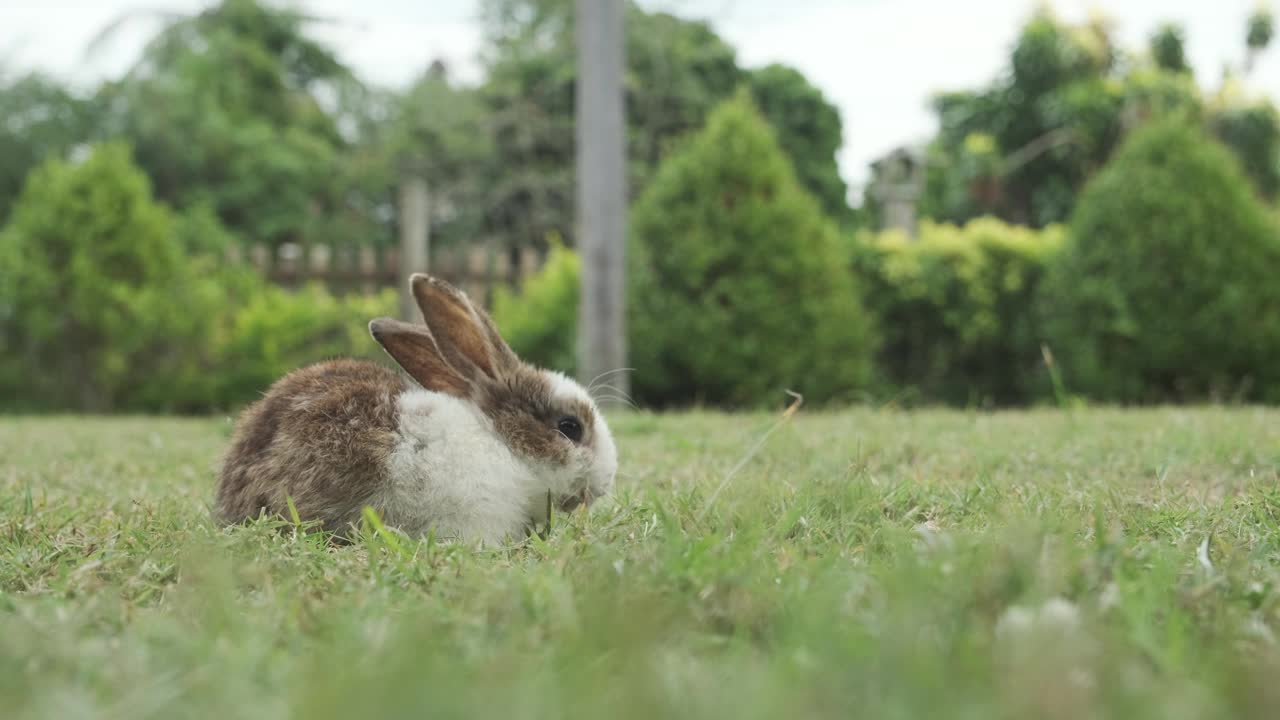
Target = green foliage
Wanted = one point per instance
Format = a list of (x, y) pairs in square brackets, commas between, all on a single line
[(1259, 30), (226, 108), (1168, 48), (1059, 111), (98, 305), (252, 130), (239, 109), (1149, 94), (958, 181), (739, 287), (1253, 132), (42, 120), (808, 129), (1167, 288), (110, 302), (275, 331), (956, 312), (1050, 54), (677, 71), (1053, 117), (540, 322), (199, 233), (439, 131)]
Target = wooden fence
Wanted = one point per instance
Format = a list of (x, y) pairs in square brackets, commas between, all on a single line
[(473, 268)]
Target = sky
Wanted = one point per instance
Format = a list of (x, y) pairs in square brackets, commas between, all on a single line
[(878, 61)]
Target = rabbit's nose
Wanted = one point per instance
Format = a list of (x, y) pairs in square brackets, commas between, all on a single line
[(571, 502)]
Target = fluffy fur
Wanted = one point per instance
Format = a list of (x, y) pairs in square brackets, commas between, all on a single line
[(468, 446), (450, 471), (321, 437)]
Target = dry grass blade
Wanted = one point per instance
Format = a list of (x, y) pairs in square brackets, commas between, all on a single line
[(797, 401)]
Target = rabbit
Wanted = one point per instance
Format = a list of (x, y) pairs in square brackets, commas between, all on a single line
[(469, 442)]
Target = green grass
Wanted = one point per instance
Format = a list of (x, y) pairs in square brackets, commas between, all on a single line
[(857, 566)]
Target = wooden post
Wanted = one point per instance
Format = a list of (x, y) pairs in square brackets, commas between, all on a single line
[(344, 267), (602, 198), (320, 263), (415, 228), (503, 267), (368, 269)]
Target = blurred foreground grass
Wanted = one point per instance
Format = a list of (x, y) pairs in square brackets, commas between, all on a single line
[(869, 564)]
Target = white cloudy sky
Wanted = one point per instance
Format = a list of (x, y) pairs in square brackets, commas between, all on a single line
[(878, 60)]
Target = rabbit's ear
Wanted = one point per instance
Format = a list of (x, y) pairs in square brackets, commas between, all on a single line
[(465, 334), (413, 349)]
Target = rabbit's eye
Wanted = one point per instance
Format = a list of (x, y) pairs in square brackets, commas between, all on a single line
[(570, 427)]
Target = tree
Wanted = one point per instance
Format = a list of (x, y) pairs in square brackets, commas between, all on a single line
[(1166, 288), (1168, 48), (42, 120), (228, 107), (437, 130), (676, 71), (1259, 29), (98, 303), (809, 130), (740, 288), (1024, 147), (1252, 131)]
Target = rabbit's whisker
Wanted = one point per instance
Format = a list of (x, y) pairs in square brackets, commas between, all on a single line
[(604, 375)]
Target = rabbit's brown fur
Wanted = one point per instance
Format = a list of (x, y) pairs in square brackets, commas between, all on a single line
[(470, 442), (519, 406), (321, 435)]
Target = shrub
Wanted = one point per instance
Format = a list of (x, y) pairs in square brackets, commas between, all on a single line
[(541, 321), (1166, 289), (275, 331), (199, 233), (1252, 132), (109, 302), (739, 287), (955, 310), (98, 305)]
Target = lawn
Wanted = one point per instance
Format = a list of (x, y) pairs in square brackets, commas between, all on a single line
[(1087, 564)]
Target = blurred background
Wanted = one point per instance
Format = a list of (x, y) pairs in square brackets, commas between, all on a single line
[(999, 203)]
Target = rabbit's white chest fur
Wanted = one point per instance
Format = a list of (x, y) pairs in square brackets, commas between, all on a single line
[(451, 473)]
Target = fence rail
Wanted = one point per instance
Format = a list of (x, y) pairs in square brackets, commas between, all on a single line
[(475, 269)]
